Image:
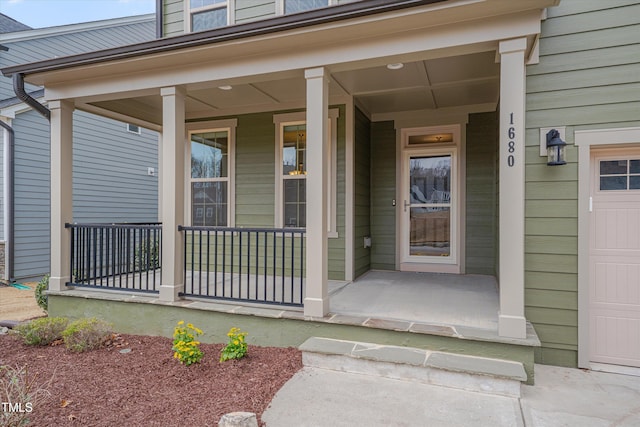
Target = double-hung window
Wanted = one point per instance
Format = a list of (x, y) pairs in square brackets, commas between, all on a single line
[(291, 170), (211, 176), (208, 14)]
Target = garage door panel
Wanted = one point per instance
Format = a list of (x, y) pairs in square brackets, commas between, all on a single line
[(614, 261)]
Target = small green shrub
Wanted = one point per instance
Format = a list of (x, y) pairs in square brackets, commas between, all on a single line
[(41, 295), (42, 331), (236, 348), (86, 334), (185, 346)]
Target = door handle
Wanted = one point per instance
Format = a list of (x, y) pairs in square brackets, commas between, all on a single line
[(406, 205)]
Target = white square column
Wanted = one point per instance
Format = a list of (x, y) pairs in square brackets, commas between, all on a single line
[(316, 301), (511, 321), (173, 181), (61, 192)]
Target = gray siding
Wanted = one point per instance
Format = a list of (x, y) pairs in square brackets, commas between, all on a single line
[(110, 182), (173, 17), (588, 77), (383, 191), (481, 202), (362, 196), (110, 179), (32, 195)]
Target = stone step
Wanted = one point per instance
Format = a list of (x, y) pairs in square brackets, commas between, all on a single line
[(471, 373)]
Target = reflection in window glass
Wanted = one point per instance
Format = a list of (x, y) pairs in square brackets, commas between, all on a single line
[(634, 166), (295, 206), (209, 152), (430, 232), (209, 19), (201, 3), (634, 182), (294, 6), (430, 180), (294, 149), (613, 167), (209, 203), (613, 183)]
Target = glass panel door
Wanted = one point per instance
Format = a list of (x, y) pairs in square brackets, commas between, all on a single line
[(429, 206)]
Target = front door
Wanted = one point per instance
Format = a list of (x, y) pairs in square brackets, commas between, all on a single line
[(429, 210), (614, 258)]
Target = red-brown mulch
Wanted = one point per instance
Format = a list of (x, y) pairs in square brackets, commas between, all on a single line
[(147, 386)]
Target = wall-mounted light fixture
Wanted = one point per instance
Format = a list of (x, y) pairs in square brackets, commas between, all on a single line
[(556, 149)]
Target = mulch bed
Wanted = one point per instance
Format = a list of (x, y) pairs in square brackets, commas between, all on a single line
[(147, 386)]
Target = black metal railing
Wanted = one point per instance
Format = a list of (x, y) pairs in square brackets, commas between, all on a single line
[(259, 265), (117, 256)]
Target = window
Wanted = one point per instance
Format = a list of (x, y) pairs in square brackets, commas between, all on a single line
[(620, 174), (294, 171), (133, 128), (291, 170), (208, 14), (294, 6)]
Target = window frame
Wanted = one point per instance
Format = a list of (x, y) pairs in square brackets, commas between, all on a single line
[(627, 175), (189, 12), (288, 119), (212, 126), (130, 127)]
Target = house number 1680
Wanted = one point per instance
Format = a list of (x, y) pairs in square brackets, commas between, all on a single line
[(511, 145)]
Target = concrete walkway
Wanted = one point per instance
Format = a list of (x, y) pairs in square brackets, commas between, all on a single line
[(318, 397)]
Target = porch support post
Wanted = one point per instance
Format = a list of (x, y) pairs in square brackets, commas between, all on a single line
[(511, 322), (173, 182), (61, 192), (316, 302)]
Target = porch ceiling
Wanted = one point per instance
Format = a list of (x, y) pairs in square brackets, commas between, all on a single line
[(469, 79)]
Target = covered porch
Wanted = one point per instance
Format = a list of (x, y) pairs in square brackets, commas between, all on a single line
[(408, 66)]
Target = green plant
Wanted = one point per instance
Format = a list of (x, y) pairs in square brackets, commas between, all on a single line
[(20, 393), (236, 348), (86, 334), (42, 331), (185, 346), (146, 256), (41, 295)]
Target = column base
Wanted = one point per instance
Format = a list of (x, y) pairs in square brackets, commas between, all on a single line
[(59, 283), (170, 293), (512, 326), (316, 307)]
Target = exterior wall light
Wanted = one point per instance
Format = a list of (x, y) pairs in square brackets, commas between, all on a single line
[(556, 149)]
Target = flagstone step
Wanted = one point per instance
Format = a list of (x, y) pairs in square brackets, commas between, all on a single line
[(472, 373)]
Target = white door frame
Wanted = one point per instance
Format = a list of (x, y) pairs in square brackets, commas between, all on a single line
[(586, 140), (451, 264)]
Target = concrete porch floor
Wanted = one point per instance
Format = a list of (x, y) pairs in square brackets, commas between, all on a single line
[(468, 301)]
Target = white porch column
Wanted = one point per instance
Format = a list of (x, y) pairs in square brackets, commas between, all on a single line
[(61, 191), (316, 302), (173, 182), (511, 322)]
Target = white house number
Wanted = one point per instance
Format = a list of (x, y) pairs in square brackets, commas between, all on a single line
[(511, 146)]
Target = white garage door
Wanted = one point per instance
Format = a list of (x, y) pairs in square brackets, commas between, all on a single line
[(614, 300)]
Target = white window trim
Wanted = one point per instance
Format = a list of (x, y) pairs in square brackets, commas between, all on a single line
[(213, 126), (280, 6), (138, 132), (287, 119), (188, 11)]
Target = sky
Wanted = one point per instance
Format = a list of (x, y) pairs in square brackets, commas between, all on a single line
[(48, 13)]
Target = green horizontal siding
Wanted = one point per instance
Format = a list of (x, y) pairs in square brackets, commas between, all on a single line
[(173, 17), (383, 192), (251, 10), (481, 199), (588, 77), (362, 196)]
